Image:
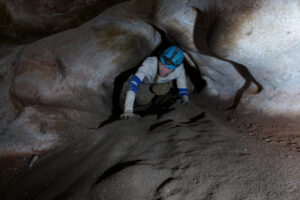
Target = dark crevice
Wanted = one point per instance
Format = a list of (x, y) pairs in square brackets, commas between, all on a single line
[(61, 67), (72, 189), (158, 124), (176, 126), (195, 76), (195, 119), (1, 78), (160, 105), (111, 119), (62, 196), (164, 183), (115, 169)]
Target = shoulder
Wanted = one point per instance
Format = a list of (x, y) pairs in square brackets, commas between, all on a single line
[(150, 63), (151, 60), (180, 69), (148, 67)]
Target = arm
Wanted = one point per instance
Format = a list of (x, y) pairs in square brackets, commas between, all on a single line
[(132, 88), (183, 92)]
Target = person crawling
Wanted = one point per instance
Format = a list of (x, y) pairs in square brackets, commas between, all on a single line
[(154, 71)]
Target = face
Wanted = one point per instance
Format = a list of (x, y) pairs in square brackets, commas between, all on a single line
[(163, 70)]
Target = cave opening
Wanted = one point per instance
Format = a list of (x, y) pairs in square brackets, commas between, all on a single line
[(159, 105)]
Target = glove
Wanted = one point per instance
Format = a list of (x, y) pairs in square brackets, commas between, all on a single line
[(184, 100), (130, 115)]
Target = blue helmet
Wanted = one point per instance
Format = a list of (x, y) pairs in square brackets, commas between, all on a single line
[(172, 57)]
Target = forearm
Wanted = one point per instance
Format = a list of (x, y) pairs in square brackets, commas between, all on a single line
[(182, 87), (129, 101), (132, 87)]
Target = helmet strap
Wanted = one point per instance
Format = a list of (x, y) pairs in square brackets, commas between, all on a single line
[(174, 54)]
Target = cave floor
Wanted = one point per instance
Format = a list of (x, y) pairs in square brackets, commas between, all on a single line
[(179, 156)]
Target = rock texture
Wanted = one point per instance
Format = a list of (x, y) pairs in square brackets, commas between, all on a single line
[(27, 20), (59, 118), (179, 156), (73, 76)]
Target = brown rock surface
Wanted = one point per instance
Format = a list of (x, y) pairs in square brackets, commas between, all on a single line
[(27, 20), (57, 90)]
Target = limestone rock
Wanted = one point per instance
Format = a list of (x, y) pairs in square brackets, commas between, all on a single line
[(61, 86), (76, 69), (27, 20)]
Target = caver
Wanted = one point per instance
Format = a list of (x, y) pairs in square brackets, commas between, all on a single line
[(160, 71)]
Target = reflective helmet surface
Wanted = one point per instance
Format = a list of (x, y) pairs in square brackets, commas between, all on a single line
[(172, 57)]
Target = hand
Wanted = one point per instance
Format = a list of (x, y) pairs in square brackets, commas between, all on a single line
[(129, 115), (184, 100)]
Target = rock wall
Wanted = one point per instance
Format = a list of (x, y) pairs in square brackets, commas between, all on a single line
[(59, 89), (249, 67), (28, 20), (72, 74)]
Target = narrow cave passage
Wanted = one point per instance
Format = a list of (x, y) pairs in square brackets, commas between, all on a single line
[(159, 104), (68, 142)]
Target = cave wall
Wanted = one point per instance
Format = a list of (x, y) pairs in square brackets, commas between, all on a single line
[(58, 89), (27, 20), (247, 58)]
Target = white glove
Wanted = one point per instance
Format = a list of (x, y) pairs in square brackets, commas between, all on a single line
[(184, 100), (130, 115)]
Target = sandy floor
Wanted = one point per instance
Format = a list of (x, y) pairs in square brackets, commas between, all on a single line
[(183, 155)]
